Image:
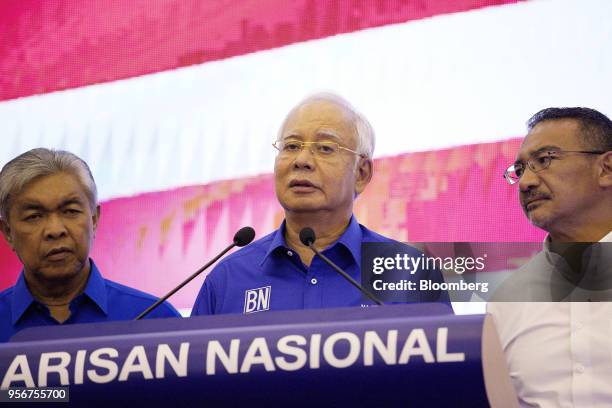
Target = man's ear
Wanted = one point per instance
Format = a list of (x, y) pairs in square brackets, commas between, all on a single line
[(95, 218), (6, 232), (605, 170), (365, 171)]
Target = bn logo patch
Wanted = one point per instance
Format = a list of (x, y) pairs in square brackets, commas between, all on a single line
[(257, 300)]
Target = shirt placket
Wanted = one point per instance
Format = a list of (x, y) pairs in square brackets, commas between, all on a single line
[(580, 350), (313, 284)]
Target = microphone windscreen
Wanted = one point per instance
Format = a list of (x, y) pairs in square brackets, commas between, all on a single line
[(307, 236), (244, 236)]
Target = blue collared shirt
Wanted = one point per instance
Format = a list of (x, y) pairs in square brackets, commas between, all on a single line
[(268, 275), (102, 300)]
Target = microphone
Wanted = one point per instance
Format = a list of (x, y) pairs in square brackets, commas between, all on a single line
[(243, 237), (308, 237)]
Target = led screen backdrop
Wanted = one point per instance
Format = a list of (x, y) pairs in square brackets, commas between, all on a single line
[(174, 105)]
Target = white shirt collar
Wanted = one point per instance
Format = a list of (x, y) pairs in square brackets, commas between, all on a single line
[(607, 238)]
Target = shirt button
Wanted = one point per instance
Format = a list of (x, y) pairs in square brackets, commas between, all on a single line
[(579, 326), (289, 253), (313, 281), (579, 368)]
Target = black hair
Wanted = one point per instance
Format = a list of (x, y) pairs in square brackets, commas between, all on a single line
[(595, 127)]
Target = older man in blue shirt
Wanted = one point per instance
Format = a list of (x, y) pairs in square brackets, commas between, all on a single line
[(49, 215), (324, 162)]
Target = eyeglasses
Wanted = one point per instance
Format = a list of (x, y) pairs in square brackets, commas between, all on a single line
[(538, 163), (289, 148)]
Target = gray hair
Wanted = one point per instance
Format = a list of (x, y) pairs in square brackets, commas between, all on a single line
[(366, 139), (35, 163)]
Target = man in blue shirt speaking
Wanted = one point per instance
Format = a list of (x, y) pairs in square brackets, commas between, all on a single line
[(48, 214), (324, 162)]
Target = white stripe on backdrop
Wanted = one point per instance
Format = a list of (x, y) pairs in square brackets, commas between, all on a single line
[(449, 80)]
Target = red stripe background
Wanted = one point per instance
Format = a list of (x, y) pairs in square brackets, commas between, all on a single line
[(54, 45)]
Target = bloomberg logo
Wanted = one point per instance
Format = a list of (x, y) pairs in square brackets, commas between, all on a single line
[(257, 300)]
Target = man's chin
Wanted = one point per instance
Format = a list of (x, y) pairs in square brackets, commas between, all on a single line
[(305, 204), (59, 272), (303, 208), (539, 218)]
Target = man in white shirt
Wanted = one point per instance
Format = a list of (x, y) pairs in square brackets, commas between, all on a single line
[(560, 354)]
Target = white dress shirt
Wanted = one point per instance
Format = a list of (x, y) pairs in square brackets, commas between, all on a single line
[(558, 354)]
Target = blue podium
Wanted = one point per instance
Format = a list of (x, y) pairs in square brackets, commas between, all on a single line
[(417, 355)]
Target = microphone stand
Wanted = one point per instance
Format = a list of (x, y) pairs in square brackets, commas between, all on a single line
[(186, 281)]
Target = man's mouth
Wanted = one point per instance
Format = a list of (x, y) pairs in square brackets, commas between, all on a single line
[(58, 254), (303, 186), (533, 202)]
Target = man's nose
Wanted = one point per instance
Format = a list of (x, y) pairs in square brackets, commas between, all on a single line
[(528, 180), (304, 158), (55, 227)]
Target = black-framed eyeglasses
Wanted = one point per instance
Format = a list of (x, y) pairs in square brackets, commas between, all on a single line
[(540, 162)]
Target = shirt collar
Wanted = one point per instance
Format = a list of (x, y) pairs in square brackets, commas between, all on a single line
[(553, 257), (22, 298), (278, 241), (607, 238), (95, 290), (350, 238)]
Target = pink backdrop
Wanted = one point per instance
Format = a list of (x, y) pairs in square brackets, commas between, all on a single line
[(152, 241)]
